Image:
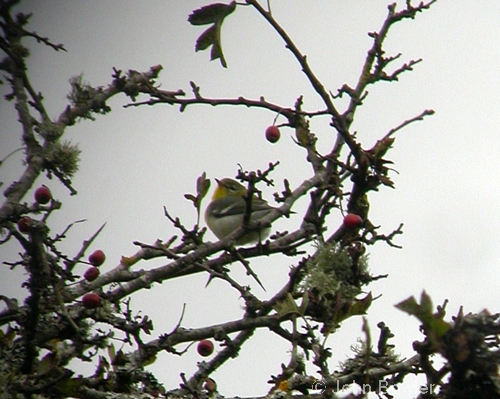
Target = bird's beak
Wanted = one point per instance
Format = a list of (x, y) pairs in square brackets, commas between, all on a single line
[(218, 181)]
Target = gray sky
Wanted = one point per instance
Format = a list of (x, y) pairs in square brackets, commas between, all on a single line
[(137, 160)]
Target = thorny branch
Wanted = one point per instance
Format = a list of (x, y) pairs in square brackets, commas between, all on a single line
[(162, 96)]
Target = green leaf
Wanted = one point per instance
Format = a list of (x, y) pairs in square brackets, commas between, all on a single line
[(439, 326), (409, 305), (286, 307), (354, 308), (422, 311), (207, 38), (211, 14), (211, 37), (434, 325), (426, 303), (360, 306), (202, 185)]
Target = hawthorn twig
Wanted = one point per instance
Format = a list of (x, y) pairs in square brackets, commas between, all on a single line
[(419, 117), (81, 253), (161, 97)]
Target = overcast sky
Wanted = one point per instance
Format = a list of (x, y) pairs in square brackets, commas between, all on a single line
[(137, 160)]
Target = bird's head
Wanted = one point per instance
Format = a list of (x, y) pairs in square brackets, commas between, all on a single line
[(228, 188)]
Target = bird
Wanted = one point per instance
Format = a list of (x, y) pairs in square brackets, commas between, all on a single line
[(226, 211)]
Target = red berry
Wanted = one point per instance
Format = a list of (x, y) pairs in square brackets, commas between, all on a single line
[(23, 224), (97, 258), (351, 220), (43, 195), (91, 273), (272, 134), (91, 300), (205, 347), (210, 385)]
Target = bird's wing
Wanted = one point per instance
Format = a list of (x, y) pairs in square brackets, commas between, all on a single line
[(228, 206)]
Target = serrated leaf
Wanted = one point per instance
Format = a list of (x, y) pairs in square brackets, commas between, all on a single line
[(439, 326), (211, 13), (409, 305), (353, 308), (285, 307), (360, 306), (434, 325), (426, 303), (211, 37), (202, 187), (207, 38)]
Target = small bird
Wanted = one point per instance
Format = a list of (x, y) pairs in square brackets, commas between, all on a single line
[(226, 211)]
